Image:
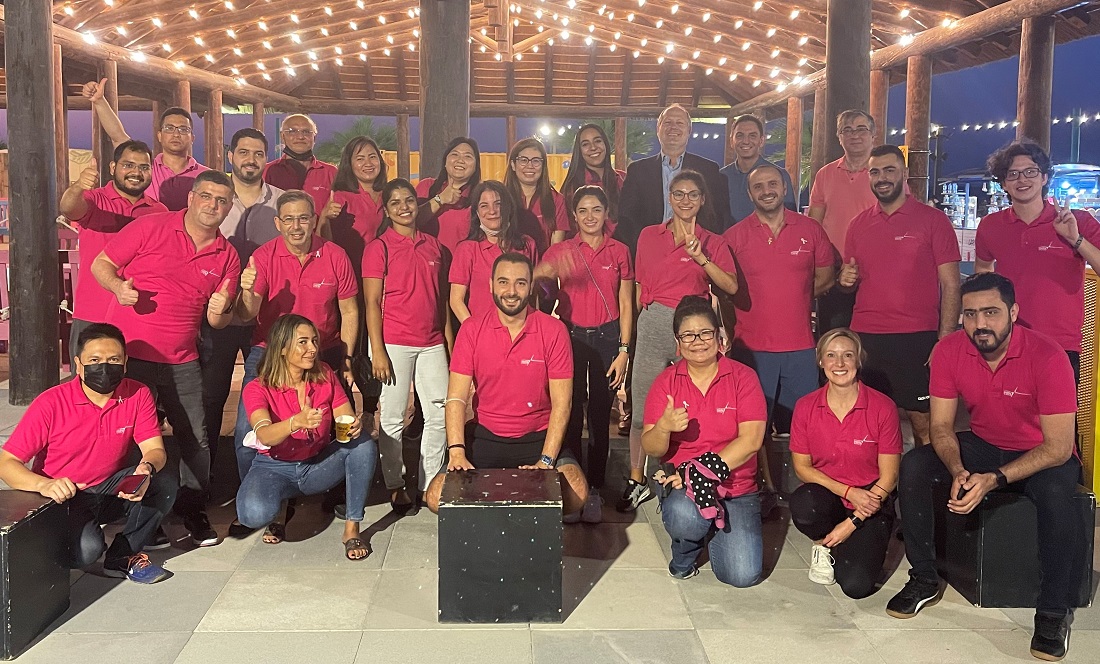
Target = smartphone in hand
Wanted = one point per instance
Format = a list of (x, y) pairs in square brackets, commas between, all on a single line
[(131, 484)]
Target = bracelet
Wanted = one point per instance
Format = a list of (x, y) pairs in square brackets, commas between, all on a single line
[(845, 496), (152, 468), (1077, 244), (624, 348), (881, 489), (438, 200), (451, 447), (705, 263), (447, 401)]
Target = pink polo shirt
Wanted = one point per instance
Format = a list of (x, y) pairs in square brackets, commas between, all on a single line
[(843, 194), (1048, 274), (666, 273), (592, 178), (171, 188), (472, 267), (313, 289), (1034, 378), (412, 271), (846, 450), (714, 418), (282, 404), (777, 280), (589, 279), (316, 179), (451, 223), (357, 225), (108, 212), (898, 258), (560, 222), (69, 436), (174, 284), (513, 377)]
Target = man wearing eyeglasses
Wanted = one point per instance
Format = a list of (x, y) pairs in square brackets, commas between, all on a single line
[(298, 168), (1041, 246)]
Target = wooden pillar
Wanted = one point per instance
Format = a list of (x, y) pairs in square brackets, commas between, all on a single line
[(622, 157), (509, 132), (404, 147), (258, 116), (794, 143), (918, 104), (847, 62), (214, 132), (880, 94), (1035, 80), (823, 127), (183, 95), (158, 108), (102, 146), (33, 276), (728, 153), (444, 77), (61, 123)]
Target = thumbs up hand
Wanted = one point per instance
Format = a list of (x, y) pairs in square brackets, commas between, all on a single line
[(332, 208), (219, 301), (849, 274), (126, 295), (93, 91), (310, 417), (248, 275), (674, 419), (89, 177)]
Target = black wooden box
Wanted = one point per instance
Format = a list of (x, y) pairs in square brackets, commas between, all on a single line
[(991, 555), (34, 551), (500, 547)]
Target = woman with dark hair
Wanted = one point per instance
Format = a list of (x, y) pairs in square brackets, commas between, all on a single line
[(596, 302), (528, 179), (445, 199), (591, 164), (354, 211), (677, 258), (493, 231), (292, 406), (404, 277), (704, 417)]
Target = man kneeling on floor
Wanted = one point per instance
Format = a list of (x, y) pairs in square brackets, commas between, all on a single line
[(1018, 387), (80, 435), (521, 361)]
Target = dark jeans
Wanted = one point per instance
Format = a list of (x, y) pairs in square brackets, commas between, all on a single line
[(177, 388), (857, 561), (218, 355), (834, 309), (1051, 490), (100, 504), (594, 349)]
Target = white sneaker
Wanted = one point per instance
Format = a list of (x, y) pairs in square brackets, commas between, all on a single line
[(593, 507), (821, 565)]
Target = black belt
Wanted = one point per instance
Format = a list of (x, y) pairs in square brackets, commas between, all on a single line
[(590, 330)]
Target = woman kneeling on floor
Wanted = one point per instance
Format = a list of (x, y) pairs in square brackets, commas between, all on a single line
[(291, 407)]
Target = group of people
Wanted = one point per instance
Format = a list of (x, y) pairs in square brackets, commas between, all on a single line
[(530, 306)]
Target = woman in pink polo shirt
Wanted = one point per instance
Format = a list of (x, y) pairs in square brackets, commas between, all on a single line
[(291, 407), (529, 181), (591, 164), (445, 199), (677, 258), (704, 418), (846, 447), (493, 231), (404, 278), (596, 302)]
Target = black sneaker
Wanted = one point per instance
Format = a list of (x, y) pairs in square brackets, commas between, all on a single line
[(913, 597), (159, 541), (1051, 639), (686, 574), (635, 494), (201, 532)]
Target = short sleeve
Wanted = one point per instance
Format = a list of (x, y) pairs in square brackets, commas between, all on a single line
[(98, 216), (374, 260), (982, 250), (941, 370), (561, 213), (1056, 388), (722, 255), (751, 406), (346, 284), (851, 240), (32, 434), (339, 396), (889, 431), (462, 266), (255, 396), (945, 244), (800, 420), (626, 270), (423, 186), (1088, 226), (657, 398), (559, 351), (462, 357), (126, 244), (817, 191), (263, 269), (529, 249), (146, 422), (231, 270), (824, 253)]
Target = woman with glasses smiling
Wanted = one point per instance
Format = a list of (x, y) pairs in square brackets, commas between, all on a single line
[(704, 417), (529, 183)]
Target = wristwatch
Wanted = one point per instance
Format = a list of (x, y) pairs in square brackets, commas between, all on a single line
[(152, 468), (438, 200), (548, 460), (1002, 481)]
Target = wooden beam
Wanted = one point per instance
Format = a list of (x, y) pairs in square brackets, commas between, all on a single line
[(183, 95), (258, 116), (289, 48), (622, 158), (158, 108), (445, 77), (793, 158), (849, 38), (590, 91), (628, 71), (214, 132), (535, 40), (60, 123), (337, 82), (548, 75), (510, 81), (102, 146), (500, 110), (880, 97), (404, 149), (509, 132), (402, 79), (369, 77), (918, 104), (728, 154), (1036, 77), (697, 88), (662, 85), (822, 127)]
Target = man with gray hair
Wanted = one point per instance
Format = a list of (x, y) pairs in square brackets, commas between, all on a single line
[(297, 168)]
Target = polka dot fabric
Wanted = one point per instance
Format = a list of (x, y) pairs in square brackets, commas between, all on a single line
[(703, 477)]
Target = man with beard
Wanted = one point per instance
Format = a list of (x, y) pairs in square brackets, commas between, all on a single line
[(902, 259), (101, 212), (1018, 387), (521, 362), (747, 139), (297, 168)]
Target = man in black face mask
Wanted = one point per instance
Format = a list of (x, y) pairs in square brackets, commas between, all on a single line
[(298, 168), (80, 435)]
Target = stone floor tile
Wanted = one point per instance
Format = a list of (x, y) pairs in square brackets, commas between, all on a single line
[(761, 645), (288, 647), (961, 646), (785, 601), (616, 646), (316, 542), (604, 599), (620, 544), (497, 646), (414, 544), (106, 648), (409, 599)]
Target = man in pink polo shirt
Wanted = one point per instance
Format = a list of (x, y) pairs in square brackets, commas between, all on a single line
[(80, 435), (298, 168), (1018, 387), (902, 258), (168, 271), (101, 212), (521, 362)]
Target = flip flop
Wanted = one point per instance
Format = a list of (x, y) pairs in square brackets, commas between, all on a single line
[(274, 534), (353, 544)]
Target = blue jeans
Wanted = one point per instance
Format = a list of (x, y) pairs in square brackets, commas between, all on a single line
[(736, 551), (269, 481), (785, 377)]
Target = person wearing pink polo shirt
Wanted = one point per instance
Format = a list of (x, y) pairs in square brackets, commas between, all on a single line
[(297, 168), (704, 417), (404, 279), (595, 287), (167, 272), (520, 361), (493, 231), (1018, 387), (445, 199), (846, 447), (80, 435), (677, 258), (903, 262), (528, 179), (1041, 246), (101, 212), (590, 163)]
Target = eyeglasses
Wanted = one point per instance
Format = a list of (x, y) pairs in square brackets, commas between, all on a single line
[(131, 166), (691, 337), (533, 161), (299, 132), (849, 131), (173, 129), (693, 195), (1028, 173), (302, 220)]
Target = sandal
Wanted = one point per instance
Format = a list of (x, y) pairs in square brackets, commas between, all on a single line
[(275, 533), (354, 544)]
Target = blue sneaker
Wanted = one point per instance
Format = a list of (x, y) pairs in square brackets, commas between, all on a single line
[(138, 568)]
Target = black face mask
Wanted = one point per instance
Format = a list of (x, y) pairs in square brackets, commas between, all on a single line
[(103, 378)]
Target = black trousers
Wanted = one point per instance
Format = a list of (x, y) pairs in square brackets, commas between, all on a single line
[(858, 560), (594, 349), (218, 355), (1059, 537)]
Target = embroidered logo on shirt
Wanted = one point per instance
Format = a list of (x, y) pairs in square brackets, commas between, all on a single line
[(684, 260), (607, 267), (861, 441), (323, 282), (122, 430), (210, 273), (527, 362), (721, 410), (1016, 393), (1053, 245), (907, 236), (801, 250)]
